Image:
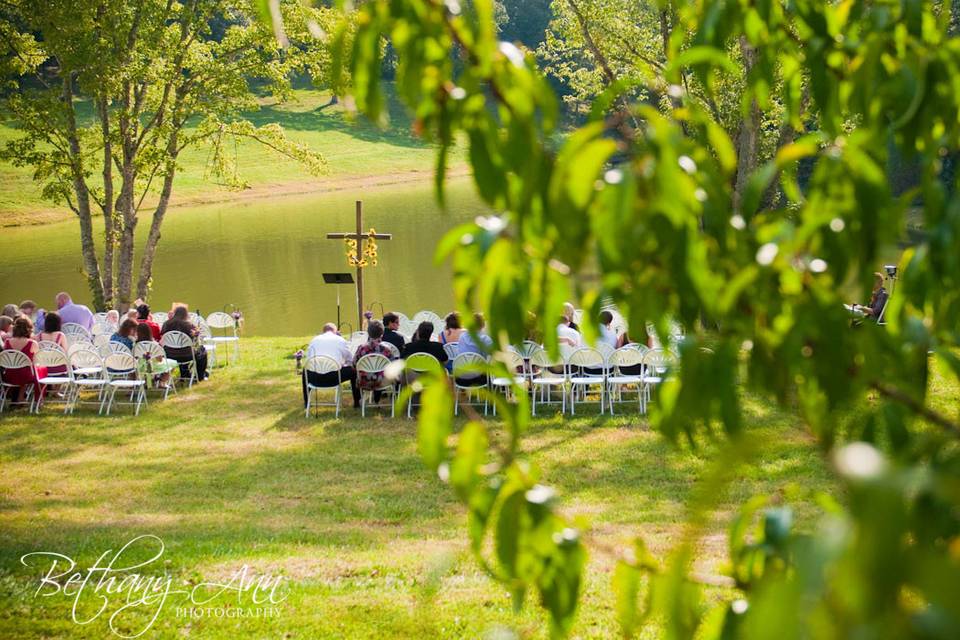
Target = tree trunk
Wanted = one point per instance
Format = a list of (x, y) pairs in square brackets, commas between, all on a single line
[(109, 221), (91, 266), (748, 138), (145, 281), (128, 219)]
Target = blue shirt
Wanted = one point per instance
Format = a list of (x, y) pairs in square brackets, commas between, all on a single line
[(466, 344)]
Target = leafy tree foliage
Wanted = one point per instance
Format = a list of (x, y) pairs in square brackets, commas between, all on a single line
[(160, 77), (680, 228)]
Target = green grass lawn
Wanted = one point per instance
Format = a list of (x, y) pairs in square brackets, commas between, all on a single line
[(373, 546), (353, 148)]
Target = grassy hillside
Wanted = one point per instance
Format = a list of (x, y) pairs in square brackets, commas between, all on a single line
[(356, 150)]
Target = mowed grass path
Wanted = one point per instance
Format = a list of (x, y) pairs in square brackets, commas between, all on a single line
[(373, 546)]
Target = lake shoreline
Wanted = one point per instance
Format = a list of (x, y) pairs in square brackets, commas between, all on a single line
[(329, 184)]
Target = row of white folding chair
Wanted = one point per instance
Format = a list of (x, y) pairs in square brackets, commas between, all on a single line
[(584, 368), (84, 369)]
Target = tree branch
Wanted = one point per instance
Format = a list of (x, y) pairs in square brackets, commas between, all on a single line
[(922, 410)]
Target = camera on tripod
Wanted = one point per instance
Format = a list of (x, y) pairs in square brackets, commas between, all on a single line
[(891, 270)]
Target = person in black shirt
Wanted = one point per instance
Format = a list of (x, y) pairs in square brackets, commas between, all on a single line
[(422, 343), (391, 322)]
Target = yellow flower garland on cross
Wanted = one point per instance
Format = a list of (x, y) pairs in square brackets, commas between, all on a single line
[(369, 258)]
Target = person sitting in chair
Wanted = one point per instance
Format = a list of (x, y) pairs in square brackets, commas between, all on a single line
[(331, 344), (422, 343), (878, 300), (391, 322)]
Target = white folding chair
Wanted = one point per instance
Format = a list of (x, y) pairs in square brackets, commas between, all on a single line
[(88, 375), (415, 365), (322, 365), (159, 317), (123, 375), (49, 345), (13, 360), (118, 347), (374, 364), (180, 341), (626, 370), (155, 364), (392, 349), (103, 328), (527, 348), (220, 321), (544, 379), (76, 333), (205, 337), (469, 376), (514, 363), (451, 349), (59, 383), (657, 364), (587, 369)]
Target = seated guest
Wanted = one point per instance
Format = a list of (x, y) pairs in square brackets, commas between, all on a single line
[(11, 311), (331, 344), (607, 335), (467, 344), (452, 331), (567, 335), (143, 317), (878, 300), (422, 343), (132, 314), (480, 345), (71, 313), (29, 309), (51, 331), (145, 334), (126, 334), (113, 317), (5, 323), (179, 321), (391, 322), (569, 312), (373, 345), (21, 340)]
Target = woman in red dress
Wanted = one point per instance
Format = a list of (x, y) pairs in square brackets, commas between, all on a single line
[(21, 340)]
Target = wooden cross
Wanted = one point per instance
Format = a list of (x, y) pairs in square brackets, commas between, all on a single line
[(359, 236)]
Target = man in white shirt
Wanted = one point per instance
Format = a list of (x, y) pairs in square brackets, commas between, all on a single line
[(331, 344), (568, 336)]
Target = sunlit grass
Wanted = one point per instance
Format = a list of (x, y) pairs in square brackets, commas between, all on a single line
[(231, 473)]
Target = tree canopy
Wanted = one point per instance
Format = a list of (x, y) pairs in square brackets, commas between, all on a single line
[(107, 94), (670, 204)]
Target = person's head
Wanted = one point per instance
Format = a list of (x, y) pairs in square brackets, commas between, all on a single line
[(11, 311), (479, 322), (143, 333), (179, 311), (391, 320), (128, 328), (132, 315), (51, 322), (424, 331), (63, 299), (28, 307), (375, 329), (113, 317), (22, 327), (564, 321), (568, 311), (606, 318), (452, 320), (5, 323), (877, 281), (143, 311)]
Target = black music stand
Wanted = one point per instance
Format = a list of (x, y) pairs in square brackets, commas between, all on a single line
[(338, 279)]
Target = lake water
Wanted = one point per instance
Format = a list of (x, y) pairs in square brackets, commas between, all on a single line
[(266, 257)]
